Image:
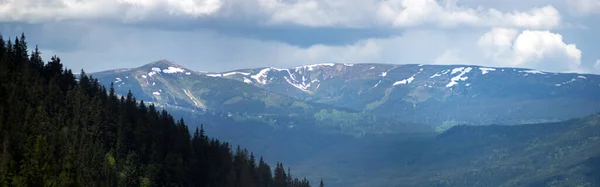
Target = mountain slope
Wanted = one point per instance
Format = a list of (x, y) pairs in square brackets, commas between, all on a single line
[(169, 84), (435, 94)]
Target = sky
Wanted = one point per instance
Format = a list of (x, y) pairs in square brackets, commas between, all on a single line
[(221, 35)]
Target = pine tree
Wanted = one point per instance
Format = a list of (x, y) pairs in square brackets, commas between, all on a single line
[(280, 178)]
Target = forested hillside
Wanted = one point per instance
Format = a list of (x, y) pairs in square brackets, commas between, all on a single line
[(564, 153), (56, 130)]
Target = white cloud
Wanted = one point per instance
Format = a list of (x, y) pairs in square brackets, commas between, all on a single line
[(541, 50), (534, 46), (123, 10), (314, 13), (584, 7), (404, 13), (498, 42)]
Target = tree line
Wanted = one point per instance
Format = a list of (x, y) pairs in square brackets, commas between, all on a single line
[(57, 130)]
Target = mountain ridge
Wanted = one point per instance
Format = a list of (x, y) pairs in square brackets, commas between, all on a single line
[(381, 88), (456, 94), (167, 84)]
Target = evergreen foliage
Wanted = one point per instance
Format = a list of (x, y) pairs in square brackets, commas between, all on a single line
[(56, 130)]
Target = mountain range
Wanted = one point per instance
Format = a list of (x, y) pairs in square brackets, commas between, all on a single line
[(436, 95), (388, 124)]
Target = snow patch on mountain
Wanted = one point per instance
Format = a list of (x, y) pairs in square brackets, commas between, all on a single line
[(383, 74), (196, 102), (152, 73), (234, 73), (172, 69), (456, 70), (439, 74), (408, 80), (459, 77), (280, 69), (534, 72), (156, 93), (214, 75), (435, 75), (261, 77), (191, 98), (311, 67), (452, 83), (155, 69), (486, 70), (567, 82), (302, 86), (405, 81), (346, 64), (118, 80), (188, 73), (144, 76), (372, 67), (581, 77), (246, 80), (376, 84)]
